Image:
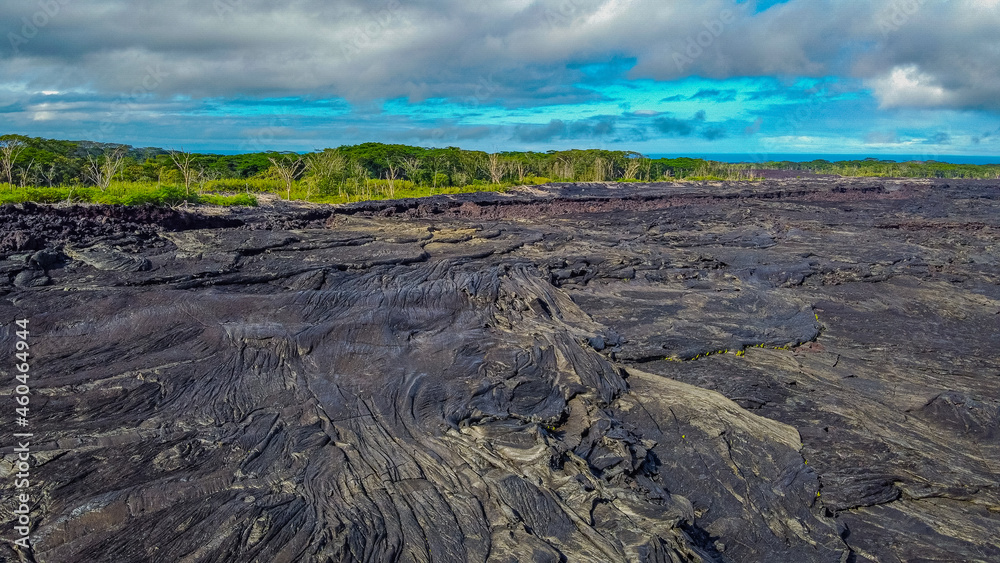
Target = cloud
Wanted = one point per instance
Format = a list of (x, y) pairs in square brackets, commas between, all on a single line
[(151, 68), (670, 126), (446, 133), (599, 127), (940, 138), (976, 139), (948, 51), (418, 49), (704, 94), (713, 133), (909, 87), (714, 95), (881, 137)]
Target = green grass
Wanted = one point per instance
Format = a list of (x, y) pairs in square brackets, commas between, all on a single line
[(887, 169), (121, 193), (228, 192), (375, 190)]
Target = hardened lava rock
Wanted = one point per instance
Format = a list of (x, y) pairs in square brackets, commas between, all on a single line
[(787, 370)]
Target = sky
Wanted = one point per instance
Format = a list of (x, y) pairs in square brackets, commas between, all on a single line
[(758, 77)]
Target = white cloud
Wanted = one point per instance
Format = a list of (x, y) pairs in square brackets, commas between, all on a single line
[(907, 86)]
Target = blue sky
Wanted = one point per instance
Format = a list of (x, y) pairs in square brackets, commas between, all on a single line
[(870, 77)]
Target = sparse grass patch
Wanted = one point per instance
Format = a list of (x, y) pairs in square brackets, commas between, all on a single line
[(244, 185), (246, 200), (121, 193)]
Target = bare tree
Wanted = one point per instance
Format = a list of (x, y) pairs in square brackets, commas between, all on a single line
[(10, 149), (519, 167), (411, 165), (49, 174), (435, 162), (288, 169), (359, 175), (102, 170), (600, 169), (390, 176), (184, 161), (495, 167), (564, 167), (29, 176), (204, 177), (632, 168)]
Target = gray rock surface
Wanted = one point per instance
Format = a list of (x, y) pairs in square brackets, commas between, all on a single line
[(782, 371)]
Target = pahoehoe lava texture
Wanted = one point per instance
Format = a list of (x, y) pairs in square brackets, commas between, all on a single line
[(796, 370)]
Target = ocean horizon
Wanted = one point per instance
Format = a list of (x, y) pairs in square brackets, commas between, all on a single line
[(806, 157)]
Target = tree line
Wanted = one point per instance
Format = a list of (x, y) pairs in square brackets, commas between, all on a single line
[(27, 161), (373, 170)]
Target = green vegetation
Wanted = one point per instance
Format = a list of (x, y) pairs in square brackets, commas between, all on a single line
[(118, 192), (47, 170), (873, 167)]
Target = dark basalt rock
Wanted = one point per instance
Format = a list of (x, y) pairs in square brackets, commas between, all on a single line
[(793, 370)]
